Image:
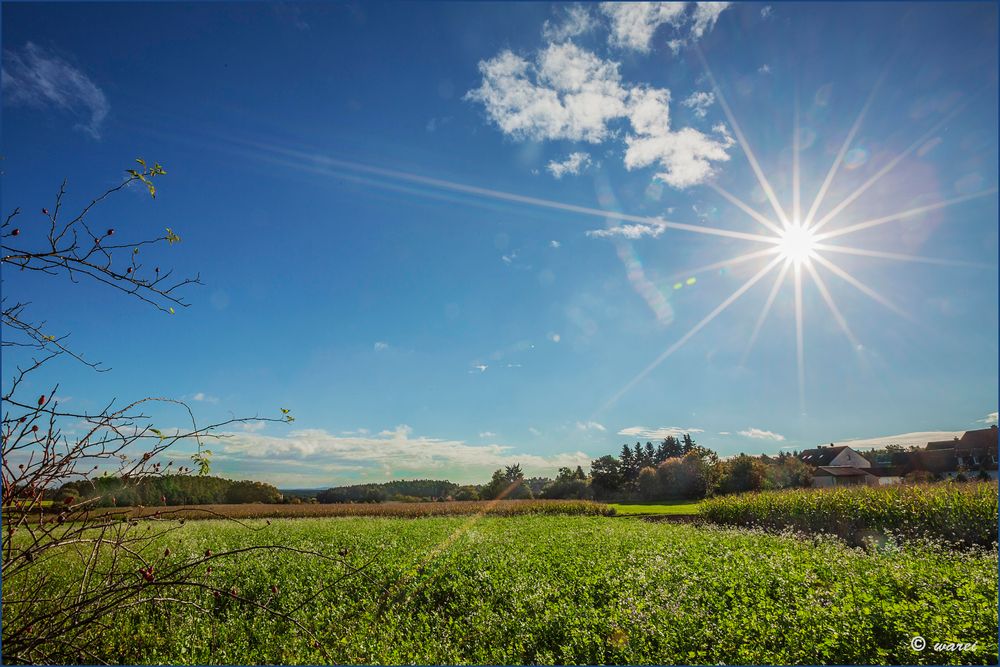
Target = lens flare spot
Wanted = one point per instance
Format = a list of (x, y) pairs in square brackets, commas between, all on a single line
[(855, 158), (678, 285), (690, 281)]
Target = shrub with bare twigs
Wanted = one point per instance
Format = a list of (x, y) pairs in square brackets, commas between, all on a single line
[(51, 615)]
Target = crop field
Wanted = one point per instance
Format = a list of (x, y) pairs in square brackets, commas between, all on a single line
[(388, 509), (683, 507), (963, 513), (536, 589)]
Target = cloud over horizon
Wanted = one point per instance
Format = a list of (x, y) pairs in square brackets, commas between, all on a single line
[(392, 453)]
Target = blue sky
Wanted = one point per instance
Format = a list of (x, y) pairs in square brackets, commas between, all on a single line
[(405, 219)]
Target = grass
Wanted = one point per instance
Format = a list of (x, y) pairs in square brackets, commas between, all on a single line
[(965, 513), (676, 507), (538, 589)]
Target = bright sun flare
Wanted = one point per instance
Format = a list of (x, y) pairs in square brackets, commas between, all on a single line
[(797, 243)]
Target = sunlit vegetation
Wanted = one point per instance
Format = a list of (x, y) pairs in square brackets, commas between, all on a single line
[(964, 513), (546, 590)]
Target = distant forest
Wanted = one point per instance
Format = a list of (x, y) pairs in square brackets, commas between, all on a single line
[(168, 490)]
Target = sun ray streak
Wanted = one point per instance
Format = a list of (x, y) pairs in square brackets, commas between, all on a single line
[(799, 340), (837, 315), (796, 183), (695, 329), (751, 158), (743, 206), (764, 312), (864, 289), (843, 150), (867, 224), (863, 252), (891, 165), (489, 193), (739, 259)]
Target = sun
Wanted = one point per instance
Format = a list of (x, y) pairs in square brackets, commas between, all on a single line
[(797, 243)]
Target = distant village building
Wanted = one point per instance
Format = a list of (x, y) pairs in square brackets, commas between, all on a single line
[(974, 455), (838, 466)]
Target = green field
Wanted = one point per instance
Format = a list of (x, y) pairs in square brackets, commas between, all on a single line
[(676, 507), (554, 589)]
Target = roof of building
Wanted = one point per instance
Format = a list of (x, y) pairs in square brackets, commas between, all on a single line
[(841, 471), (821, 456), (984, 437)]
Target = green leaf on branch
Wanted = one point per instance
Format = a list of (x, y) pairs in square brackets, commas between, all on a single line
[(171, 237)]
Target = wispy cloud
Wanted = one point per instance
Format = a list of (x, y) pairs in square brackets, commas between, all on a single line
[(764, 69), (554, 244), (760, 434), (575, 20), (657, 433), (767, 11), (478, 368), (36, 78), (574, 164), (396, 451), (988, 419), (381, 346), (202, 397), (590, 426), (253, 427), (628, 231), (534, 431), (487, 434), (699, 102)]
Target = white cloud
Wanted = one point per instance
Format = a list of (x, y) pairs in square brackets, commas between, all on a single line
[(253, 427), (396, 451), (657, 433), (918, 438), (36, 78), (764, 69), (381, 346), (202, 397), (767, 12), (590, 426), (724, 433), (554, 244), (569, 93), (989, 419), (508, 259), (534, 431), (699, 103), (554, 337), (487, 434), (760, 434), (628, 231), (481, 368), (705, 16), (573, 164), (633, 24), (576, 20)]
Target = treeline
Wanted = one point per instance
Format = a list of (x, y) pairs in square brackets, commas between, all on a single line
[(673, 469), (678, 469), (398, 490), (169, 490)]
